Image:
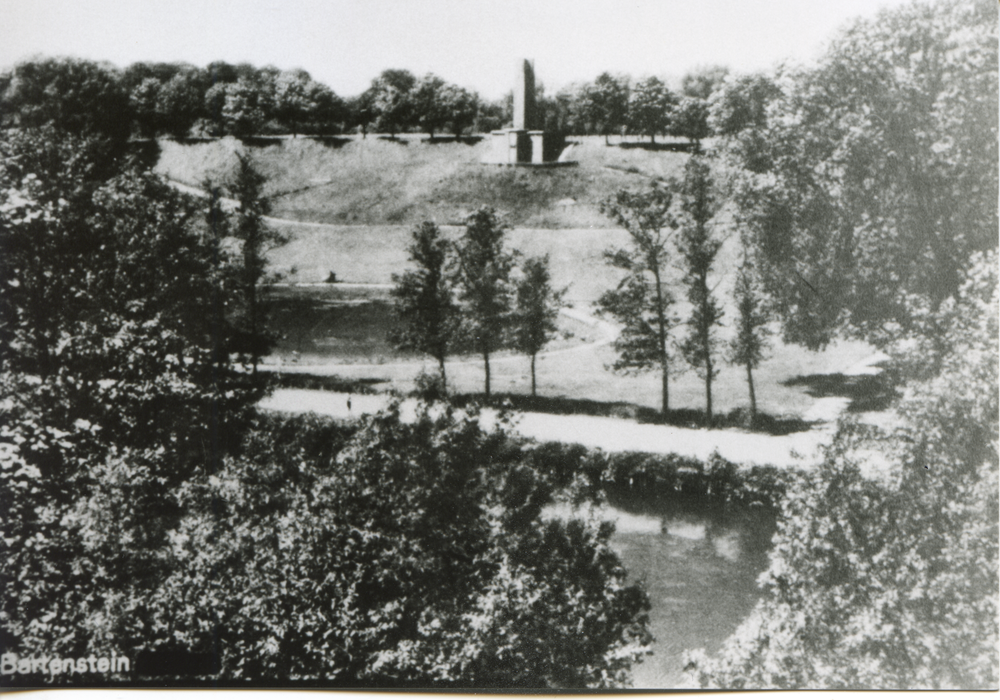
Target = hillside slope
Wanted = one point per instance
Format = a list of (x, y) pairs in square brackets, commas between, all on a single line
[(376, 181)]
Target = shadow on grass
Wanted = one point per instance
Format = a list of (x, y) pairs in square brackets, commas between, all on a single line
[(261, 141), (867, 392), (467, 140), (332, 141), (394, 139), (684, 417), (296, 380), (645, 146)]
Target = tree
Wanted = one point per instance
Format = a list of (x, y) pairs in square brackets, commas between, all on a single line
[(741, 102), (330, 112), (361, 111), (536, 310), (392, 100), (142, 101), (703, 81), (462, 107), (430, 110), (256, 238), (747, 346), (414, 555), (689, 119), (606, 103), (698, 248), (884, 572), (112, 386), (876, 179), (243, 109), (424, 298), (180, 103), (642, 301), (78, 97), (649, 107), (484, 288), (293, 99)]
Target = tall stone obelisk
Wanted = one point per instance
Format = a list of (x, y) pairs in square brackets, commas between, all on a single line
[(525, 107), (521, 144)]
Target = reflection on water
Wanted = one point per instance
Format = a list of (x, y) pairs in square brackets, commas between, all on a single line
[(698, 563)]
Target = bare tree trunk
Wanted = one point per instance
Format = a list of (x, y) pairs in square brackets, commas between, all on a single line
[(753, 397), (444, 376), (662, 333), (486, 359), (533, 376)]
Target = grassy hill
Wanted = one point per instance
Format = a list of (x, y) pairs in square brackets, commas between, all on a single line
[(376, 181)]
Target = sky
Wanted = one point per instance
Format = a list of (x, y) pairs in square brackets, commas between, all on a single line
[(474, 43)]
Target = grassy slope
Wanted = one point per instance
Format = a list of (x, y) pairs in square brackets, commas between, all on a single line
[(389, 186), (375, 181)]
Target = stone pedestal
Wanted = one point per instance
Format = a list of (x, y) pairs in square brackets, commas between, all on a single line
[(510, 146), (537, 146)]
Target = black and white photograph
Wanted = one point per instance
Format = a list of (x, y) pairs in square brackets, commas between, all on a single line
[(505, 346)]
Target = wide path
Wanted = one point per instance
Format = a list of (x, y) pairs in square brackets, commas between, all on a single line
[(608, 434)]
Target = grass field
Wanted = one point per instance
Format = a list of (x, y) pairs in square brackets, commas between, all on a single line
[(375, 181)]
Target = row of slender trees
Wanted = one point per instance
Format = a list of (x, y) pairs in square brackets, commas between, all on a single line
[(473, 293), (177, 99)]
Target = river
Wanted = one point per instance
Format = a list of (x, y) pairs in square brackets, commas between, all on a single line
[(699, 566)]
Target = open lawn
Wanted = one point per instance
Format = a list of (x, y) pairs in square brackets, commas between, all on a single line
[(375, 181)]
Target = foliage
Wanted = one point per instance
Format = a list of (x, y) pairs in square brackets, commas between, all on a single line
[(482, 276), (114, 384), (606, 103), (430, 111), (256, 238), (413, 557), (873, 179), (741, 102), (642, 299), (536, 309), (885, 571), (392, 100), (424, 298), (78, 97), (649, 107), (698, 248), (747, 346), (702, 82), (689, 118)]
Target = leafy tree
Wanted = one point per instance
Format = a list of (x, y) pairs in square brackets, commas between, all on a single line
[(642, 301), (392, 100), (430, 110), (142, 101), (256, 238), (703, 81), (689, 119), (361, 111), (649, 107), (112, 387), (747, 346), (425, 299), (536, 310), (415, 556), (70, 95), (885, 571), (876, 180), (698, 248), (606, 103), (215, 104), (329, 111), (243, 109), (293, 99), (180, 103), (462, 107), (484, 286), (741, 102)]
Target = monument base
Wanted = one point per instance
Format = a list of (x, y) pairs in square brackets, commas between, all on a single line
[(524, 148)]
